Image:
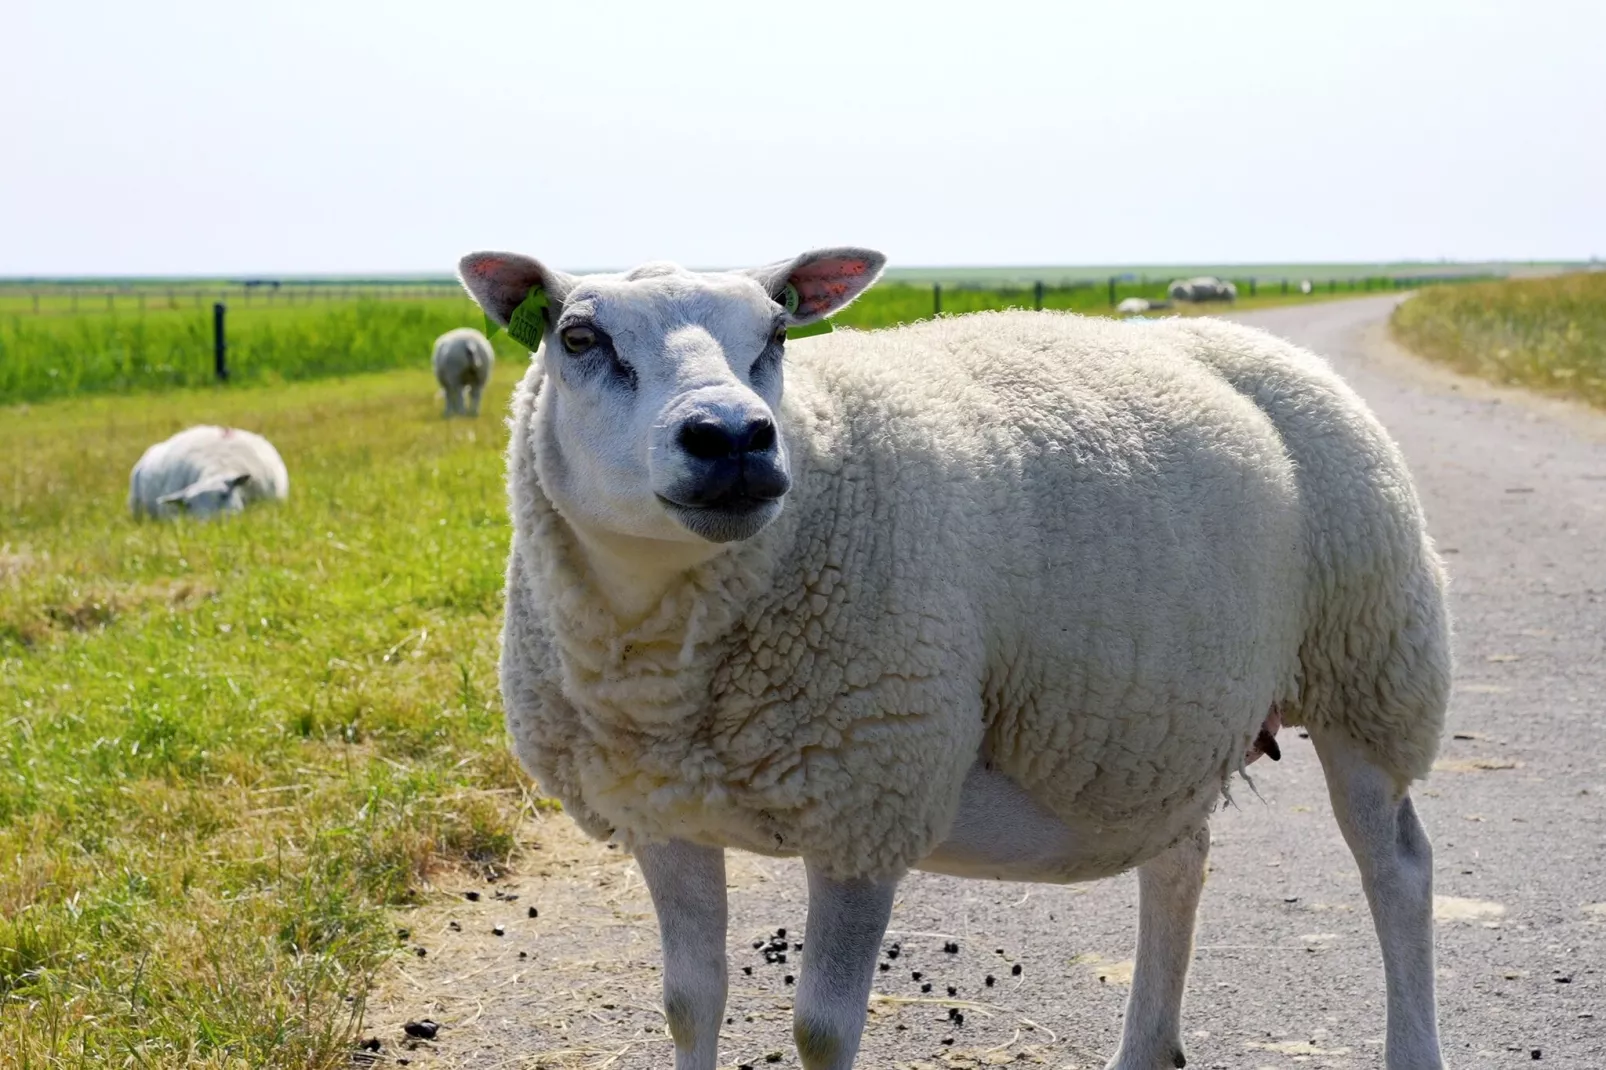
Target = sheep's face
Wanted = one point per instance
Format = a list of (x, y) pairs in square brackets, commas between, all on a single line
[(659, 417), (209, 497)]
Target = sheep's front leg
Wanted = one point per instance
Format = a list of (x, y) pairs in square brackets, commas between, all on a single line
[(841, 943), (1168, 900), (687, 883), (1391, 848)]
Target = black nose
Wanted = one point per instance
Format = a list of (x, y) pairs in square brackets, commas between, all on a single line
[(709, 440)]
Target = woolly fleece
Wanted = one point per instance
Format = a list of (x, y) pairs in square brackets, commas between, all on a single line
[(201, 453), (1092, 553)]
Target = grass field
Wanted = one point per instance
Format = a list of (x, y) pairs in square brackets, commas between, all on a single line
[(230, 746), (1547, 333), (157, 339)]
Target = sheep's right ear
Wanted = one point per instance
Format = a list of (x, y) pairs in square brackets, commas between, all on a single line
[(820, 282), (501, 281), (178, 497)]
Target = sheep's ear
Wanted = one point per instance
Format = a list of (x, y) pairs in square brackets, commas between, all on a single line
[(178, 497), (239, 481), (501, 281), (820, 282)]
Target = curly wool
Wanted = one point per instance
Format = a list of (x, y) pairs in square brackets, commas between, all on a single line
[(1092, 554)]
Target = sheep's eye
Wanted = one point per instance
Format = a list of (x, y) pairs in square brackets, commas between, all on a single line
[(578, 339), (780, 335)]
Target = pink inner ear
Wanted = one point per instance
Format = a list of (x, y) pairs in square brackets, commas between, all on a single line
[(823, 284)]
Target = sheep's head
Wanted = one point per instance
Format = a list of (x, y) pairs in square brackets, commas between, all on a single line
[(207, 497), (659, 414)]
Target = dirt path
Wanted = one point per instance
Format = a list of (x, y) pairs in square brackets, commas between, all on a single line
[(1287, 973)]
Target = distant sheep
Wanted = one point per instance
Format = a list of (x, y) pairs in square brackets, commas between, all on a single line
[(1304, 286), (1203, 288), (463, 359), (1134, 306), (204, 471)]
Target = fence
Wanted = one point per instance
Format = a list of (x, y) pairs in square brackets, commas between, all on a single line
[(69, 299)]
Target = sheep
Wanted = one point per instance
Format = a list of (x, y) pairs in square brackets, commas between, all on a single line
[(1203, 288), (206, 470), (463, 358), (1132, 306), (1304, 286), (1011, 595)]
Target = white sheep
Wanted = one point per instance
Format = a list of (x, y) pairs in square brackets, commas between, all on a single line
[(206, 470), (1203, 288), (1008, 596), (463, 359), (1133, 306)]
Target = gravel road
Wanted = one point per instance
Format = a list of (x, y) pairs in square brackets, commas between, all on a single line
[(1287, 971)]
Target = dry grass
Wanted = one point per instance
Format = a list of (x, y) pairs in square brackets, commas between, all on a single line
[(1546, 333)]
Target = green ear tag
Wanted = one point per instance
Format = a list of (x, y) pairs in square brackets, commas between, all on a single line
[(527, 325), (809, 331), (790, 299)]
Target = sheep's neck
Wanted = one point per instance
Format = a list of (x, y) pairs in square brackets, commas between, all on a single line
[(634, 574)]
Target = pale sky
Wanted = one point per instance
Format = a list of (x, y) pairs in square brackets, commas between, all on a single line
[(189, 137)]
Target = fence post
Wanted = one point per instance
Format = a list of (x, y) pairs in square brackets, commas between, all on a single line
[(1112, 291), (936, 298), (1038, 289), (1252, 287), (219, 345), (36, 302), (1285, 287)]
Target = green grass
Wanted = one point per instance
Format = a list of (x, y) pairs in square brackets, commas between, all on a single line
[(230, 747), (166, 341), (1547, 333), (63, 355)]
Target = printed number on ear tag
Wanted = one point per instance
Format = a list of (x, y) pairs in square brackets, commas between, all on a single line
[(527, 325), (822, 327), (790, 299)]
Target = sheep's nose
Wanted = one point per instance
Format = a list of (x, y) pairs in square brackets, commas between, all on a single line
[(712, 440)]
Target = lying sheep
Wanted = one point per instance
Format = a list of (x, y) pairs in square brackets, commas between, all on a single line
[(1203, 288), (1006, 596), (463, 359), (1133, 306), (206, 470)]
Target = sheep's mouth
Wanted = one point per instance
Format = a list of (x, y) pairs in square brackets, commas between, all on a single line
[(729, 519)]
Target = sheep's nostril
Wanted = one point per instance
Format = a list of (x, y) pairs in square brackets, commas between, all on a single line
[(759, 437), (707, 441)]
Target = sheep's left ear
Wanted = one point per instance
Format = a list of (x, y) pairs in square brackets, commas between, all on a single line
[(501, 281), (240, 480), (178, 497), (820, 282)]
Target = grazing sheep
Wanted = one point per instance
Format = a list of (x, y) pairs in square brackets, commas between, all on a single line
[(1203, 288), (1305, 286), (206, 470), (463, 359), (1006, 596)]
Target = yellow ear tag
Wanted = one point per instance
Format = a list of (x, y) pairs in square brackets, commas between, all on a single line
[(527, 325)]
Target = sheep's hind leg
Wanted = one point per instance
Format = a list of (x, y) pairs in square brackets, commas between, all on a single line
[(841, 943), (474, 399), (1391, 848), (1168, 901), (687, 883)]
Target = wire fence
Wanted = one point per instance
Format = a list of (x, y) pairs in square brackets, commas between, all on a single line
[(66, 299), (70, 299)]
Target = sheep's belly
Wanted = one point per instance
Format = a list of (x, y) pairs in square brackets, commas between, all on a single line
[(1002, 833)]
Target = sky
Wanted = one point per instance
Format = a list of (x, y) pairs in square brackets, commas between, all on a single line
[(195, 138)]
